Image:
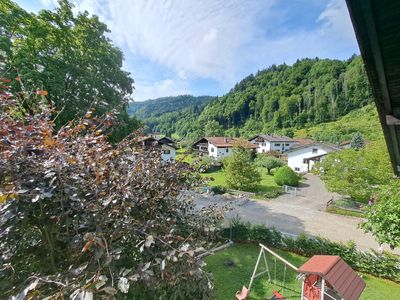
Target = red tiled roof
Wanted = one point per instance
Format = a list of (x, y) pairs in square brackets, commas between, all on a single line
[(338, 273)]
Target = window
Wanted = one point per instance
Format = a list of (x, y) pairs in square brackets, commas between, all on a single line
[(212, 149), (167, 151), (264, 144), (226, 150), (277, 145), (297, 169), (314, 150), (287, 145)]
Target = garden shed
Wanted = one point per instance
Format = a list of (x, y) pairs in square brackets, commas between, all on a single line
[(326, 277)]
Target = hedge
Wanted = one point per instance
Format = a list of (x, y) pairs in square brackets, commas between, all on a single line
[(384, 265)]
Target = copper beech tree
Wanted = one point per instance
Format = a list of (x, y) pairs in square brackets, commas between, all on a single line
[(81, 217)]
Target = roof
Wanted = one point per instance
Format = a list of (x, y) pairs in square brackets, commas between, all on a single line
[(344, 143), (273, 138), (327, 147), (166, 139), (338, 273), (304, 141), (168, 146), (376, 24), (227, 142)]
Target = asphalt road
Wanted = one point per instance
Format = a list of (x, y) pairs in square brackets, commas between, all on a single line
[(303, 213)]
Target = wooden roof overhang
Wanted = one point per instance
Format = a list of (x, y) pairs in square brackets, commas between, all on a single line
[(377, 27)]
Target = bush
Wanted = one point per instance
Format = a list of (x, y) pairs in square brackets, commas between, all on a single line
[(383, 265), (218, 189), (286, 176), (272, 194)]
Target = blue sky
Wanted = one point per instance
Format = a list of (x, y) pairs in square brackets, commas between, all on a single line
[(175, 47)]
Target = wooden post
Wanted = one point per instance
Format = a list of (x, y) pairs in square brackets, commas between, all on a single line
[(322, 288), (255, 269), (302, 288), (277, 256)]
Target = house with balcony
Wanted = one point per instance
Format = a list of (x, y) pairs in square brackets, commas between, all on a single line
[(218, 147), (267, 143)]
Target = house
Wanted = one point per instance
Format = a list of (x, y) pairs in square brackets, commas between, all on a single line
[(168, 151), (218, 147), (302, 157), (266, 143), (166, 140)]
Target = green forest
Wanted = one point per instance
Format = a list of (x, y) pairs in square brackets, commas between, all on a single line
[(279, 99)]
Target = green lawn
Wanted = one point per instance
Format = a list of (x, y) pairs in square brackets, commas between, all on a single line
[(181, 156), (267, 181), (232, 268)]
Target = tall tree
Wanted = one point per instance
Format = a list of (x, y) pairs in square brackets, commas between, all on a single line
[(241, 172), (67, 55)]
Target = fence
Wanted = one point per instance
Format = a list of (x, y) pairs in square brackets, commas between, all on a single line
[(291, 190)]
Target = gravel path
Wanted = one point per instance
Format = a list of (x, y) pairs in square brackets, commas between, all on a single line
[(303, 213)]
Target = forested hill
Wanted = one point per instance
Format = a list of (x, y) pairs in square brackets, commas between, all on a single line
[(279, 99), (157, 107)]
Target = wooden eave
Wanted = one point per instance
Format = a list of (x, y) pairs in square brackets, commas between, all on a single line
[(377, 27)]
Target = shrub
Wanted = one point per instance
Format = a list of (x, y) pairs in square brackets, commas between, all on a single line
[(286, 176), (272, 194), (218, 189), (80, 215)]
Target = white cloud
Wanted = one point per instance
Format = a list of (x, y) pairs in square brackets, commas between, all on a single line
[(217, 39), (166, 87), (200, 38)]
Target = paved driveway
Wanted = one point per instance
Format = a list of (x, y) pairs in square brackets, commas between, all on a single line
[(297, 214)]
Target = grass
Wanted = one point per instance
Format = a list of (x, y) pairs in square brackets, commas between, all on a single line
[(344, 212), (232, 268), (267, 183), (182, 156)]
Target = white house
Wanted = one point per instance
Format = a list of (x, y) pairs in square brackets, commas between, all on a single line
[(267, 143), (302, 158), (218, 147), (168, 150)]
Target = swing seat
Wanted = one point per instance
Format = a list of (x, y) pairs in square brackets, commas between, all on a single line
[(277, 296), (243, 294)]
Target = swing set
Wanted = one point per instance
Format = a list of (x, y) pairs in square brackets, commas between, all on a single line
[(277, 294), (322, 277)]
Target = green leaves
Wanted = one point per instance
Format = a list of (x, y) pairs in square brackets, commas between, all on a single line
[(240, 170), (357, 173), (384, 215), (67, 56)]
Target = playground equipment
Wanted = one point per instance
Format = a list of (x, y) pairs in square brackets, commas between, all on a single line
[(329, 277), (277, 294), (323, 277)]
